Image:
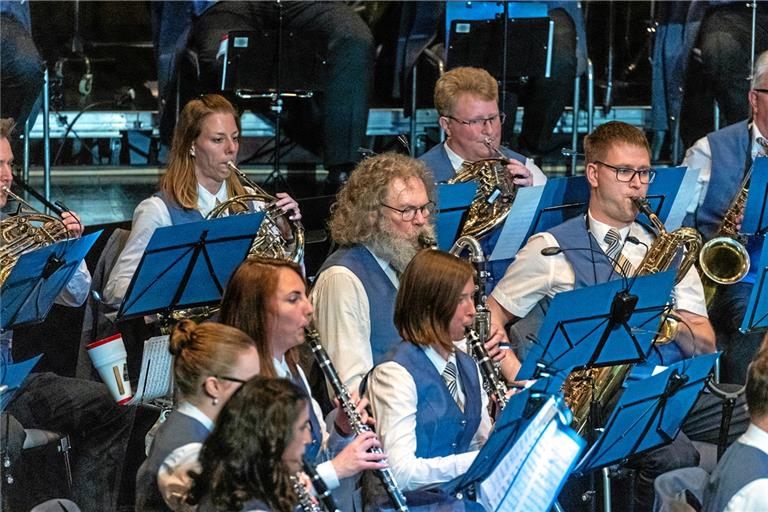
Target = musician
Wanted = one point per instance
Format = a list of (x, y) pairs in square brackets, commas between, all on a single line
[(97, 426), (740, 480), (266, 299), (426, 395), (255, 449), (197, 179), (340, 109), (211, 362), (723, 158), (618, 168), (467, 100)]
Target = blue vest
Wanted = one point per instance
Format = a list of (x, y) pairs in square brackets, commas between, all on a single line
[(178, 430), (179, 215), (381, 296), (730, 147), (442, 429), (18, 11), (313, 449), (740, 465), (591, 268), (438, 162)]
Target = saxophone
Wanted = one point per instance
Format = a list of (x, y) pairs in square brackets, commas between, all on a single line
[(582, 387), (355, 421), (493, 381)]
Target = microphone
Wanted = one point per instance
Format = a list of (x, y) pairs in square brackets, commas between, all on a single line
[(553, 250), (569, 152)]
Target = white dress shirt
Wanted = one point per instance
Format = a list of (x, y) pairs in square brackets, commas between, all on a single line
[(699, 156), (333, 443), (342, 317), (533, 276), (392, 393), (754, 495), (539, 178), (149, 215), (173, 478)]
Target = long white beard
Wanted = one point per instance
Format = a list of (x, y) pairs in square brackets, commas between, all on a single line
[(397, 248)]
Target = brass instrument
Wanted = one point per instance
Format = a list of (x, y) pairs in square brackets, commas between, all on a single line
[(30, 229), (493, 381), (582, 387), (355, 421), (494, 196), (269, 241), (724, 259)]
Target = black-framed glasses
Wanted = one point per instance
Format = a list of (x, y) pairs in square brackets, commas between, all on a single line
[(409, 213), (475, 123), (760, 90), (627, 174), (230, 379)]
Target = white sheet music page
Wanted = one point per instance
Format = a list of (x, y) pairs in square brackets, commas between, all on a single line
[(156, 377), (518, 221), (530, 474)]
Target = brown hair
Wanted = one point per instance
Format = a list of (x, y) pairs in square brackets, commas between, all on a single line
[(604, 137), (475, 81), (7, 125), (430, 291), (757, 385), (179, 181), (247, 305), (357, 210), (204, 350)]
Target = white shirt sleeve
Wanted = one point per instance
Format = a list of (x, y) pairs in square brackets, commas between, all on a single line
[(149, 215), (532, 276), (75, 292), (173, 478), (393, 397), (699, 156), (753, 496), (342, 317), (539, 178)]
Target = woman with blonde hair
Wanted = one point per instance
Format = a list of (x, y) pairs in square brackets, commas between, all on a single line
[(211, 361)]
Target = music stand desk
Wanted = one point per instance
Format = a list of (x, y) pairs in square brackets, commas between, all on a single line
[(453, 202)]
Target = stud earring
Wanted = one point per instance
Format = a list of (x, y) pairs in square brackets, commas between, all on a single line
[(192, 151), (215, 401)]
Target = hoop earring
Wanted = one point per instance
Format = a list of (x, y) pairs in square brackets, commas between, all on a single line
[(192, 151)]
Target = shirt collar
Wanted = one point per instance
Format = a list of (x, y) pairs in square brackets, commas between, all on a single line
[(755, 437), (386, 267), (600, 229), (187, 409), (456, 160), (756, 148), (281, 367), (207, 201)]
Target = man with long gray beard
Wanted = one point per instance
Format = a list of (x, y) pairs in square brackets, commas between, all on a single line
[(377, 220)]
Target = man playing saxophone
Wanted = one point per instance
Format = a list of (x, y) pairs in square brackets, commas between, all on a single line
[(605, 244), (723, 158)]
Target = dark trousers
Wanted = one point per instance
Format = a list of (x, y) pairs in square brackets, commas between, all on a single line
[(21, 71), (98, 428), (340, 113), (726, 314), (545, 98)]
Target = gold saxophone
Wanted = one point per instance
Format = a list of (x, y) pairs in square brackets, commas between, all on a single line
[(601, 384), (269, 241), (30, 229)]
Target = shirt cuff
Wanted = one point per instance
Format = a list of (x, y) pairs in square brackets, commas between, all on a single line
[(327, 472)]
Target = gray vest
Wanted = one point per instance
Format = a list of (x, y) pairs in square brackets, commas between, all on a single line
[(740, 465)]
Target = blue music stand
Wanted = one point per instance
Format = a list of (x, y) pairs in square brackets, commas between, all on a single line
[(755, 215), (588, 328), (756, 314), (38, 278), (188, 265), (649, 413), (453, 201), (11, 376)]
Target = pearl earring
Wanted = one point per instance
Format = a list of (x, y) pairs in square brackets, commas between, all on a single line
[(215, 401)]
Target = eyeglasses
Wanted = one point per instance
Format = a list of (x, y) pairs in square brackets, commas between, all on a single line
[(409, 213), (230, 379), (627, 174), (760, 90), (474, 123)]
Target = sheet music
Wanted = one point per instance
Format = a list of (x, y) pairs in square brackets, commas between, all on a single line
[(529, 476), (518, 221), (683, 198), (156, 378)]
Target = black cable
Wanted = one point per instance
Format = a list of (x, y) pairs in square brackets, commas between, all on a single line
[(72, 124)]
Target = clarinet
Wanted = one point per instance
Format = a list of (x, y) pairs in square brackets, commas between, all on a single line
[(492, 382), (305, 500), (358, 427), (323, 493)]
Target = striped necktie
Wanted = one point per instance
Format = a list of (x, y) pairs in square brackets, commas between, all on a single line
[(620, 263), (449, 377)]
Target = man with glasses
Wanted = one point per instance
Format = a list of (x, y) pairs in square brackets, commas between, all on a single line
[(723, 158), (467, 100), (378, 219), (602, 245)]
